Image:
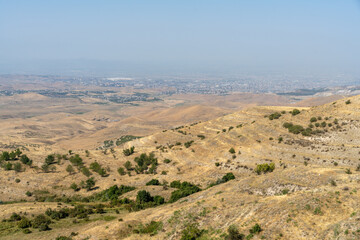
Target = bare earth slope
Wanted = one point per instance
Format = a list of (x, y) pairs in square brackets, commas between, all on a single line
[(313, 192)]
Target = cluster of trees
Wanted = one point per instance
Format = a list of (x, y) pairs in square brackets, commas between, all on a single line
[(184, 189), (7, 159), (296, 129), (143, 162), (88, 185), (96, 167)]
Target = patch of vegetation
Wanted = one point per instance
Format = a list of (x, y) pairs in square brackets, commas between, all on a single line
[(166, 160), (227, 177), (96, 167), (184, 189), (124, 139), (129, 151), (151, 228), (232, 150), (112, 193), (264, 168), (275, 115), (154, 182), (295, 112), (191, 232), (188, 144), (202, 137), (144, 161)]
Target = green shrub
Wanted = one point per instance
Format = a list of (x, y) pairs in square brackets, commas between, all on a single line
[(313, 119), (151, 228), (232, 150), (29, 194), (153, 182), (228, 177), (191, 232), (128, 165), (96, 167), (188, 144), (255, 229), (167, 160), (25, 160), (264, 168), (17, 167), (8, 166), (70, 169), (295, 112), (121, 171), (275, 115), (129, 151), (202, 137), (112, 193), (76, 160), (233, 234), (184, 189), (143, 162), (84, 170), (75, 187), (40, 220), (26, 231), (348, 102)]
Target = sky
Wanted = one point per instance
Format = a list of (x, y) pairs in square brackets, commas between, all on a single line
[(180, 35)]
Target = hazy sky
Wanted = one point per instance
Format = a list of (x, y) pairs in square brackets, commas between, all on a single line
[(227, 35)]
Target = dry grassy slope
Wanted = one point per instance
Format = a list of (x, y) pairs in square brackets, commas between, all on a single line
[(249, 198)]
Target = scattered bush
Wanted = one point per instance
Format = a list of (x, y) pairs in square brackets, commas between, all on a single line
[(70, 169), (153, 182), (255, 229), (25, 160), (151, 228), (76, 160), (121, 171), (275, 115), (313, 119), (143, 162), (184, 189), (129, 151), (295, 112), (202, 137), (96, 167), (264, 168), (233, 234), (232, 150), (191, 232), (188, 144), (167, 160), (84, 170), (348, 102)]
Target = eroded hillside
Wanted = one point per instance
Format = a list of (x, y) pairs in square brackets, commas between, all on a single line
[(296, 177)]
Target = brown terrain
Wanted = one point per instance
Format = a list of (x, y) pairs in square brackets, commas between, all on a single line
[(311, 194)]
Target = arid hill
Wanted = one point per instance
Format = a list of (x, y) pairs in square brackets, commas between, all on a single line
[(267, 172)]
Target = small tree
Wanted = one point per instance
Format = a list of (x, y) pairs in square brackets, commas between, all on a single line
[(70, 169), (89, 184), (232, 150), (74, 186), (17, 167), (50, 159), (233, 234), (128, 165), (25, 160), (121, 171)]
